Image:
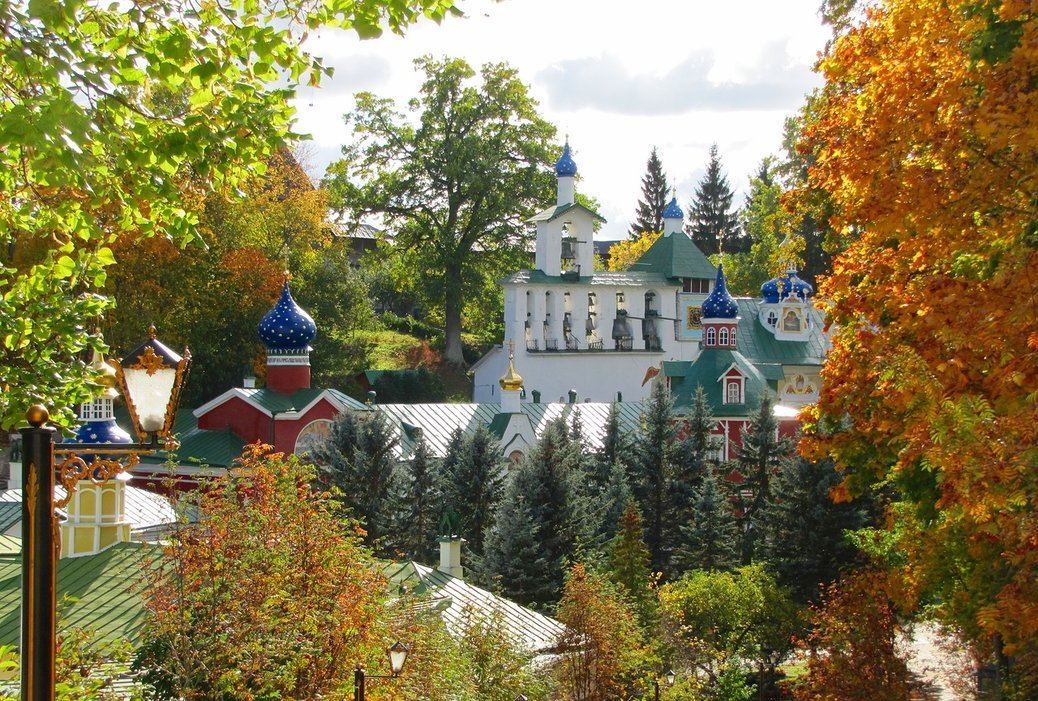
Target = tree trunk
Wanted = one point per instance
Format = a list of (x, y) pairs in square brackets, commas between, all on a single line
[(452, 306)]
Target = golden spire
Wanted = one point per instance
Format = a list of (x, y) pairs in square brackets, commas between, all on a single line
[(106, 375), (511, 381)]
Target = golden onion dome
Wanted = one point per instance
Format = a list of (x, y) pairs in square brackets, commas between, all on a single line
[(511, 381)]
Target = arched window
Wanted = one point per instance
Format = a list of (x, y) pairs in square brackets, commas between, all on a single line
[(722, 337), (772, 318), (731, 339), (711, 336), (733, 393)]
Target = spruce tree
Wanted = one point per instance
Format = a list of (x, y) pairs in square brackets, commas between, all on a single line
[(710, 540), (652, 470), (474, 487), (547, 481), (692, 458), (417, 505), (358, 460), (806, 543), (629, 566), (713, 224), (514, 562), (649, 216), (760, 456)]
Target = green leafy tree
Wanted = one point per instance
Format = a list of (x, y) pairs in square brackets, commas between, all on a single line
[(715, 620), (765, 224), (494, 662), (358, 460), (474, 485), (806, 543), (712, 223), (649, 216), (455, 182), (710, 539), (85, 160), (629, 567)]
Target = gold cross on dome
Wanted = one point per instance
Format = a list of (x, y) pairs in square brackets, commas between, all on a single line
[(511, 348)]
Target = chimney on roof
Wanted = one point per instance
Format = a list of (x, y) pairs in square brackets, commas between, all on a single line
[(450, 545), (572, 396), (536, 396), (450, 556)]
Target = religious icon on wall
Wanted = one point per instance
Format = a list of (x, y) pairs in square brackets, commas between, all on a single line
[(695, 318)]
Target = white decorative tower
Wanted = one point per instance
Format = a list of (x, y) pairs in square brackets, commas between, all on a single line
[(96, 515)]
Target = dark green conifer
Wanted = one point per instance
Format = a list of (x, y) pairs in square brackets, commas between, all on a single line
[(713, 224), (629, 566), (710, 540), (474, 486), (652, 470), (359, 460), (417, 505), (649, 216), (806, 543)]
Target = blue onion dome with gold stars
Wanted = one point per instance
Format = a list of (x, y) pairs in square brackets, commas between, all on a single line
[(781, 287), (673, 211), (566, 167), (287, 327), (719, 304)]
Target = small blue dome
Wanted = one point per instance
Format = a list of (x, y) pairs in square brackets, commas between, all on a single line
[(778, 288), (103, 432), (566, 167), (287, 327), (106, 431), (673, 211), (719, 304)]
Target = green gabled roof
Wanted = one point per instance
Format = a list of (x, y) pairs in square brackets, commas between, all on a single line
[(9, 545), (552, 213), (675, 256), (106, 586), (10, 514), (706, 371), (760, 345), (498, 425), (213, 448), (612, 279)]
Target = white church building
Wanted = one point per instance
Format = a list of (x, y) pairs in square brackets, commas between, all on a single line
[(600, 334)]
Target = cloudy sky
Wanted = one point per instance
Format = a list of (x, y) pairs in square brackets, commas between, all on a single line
[(619, 78)]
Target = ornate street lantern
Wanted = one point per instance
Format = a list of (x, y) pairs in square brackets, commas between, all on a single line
[(151, 377)]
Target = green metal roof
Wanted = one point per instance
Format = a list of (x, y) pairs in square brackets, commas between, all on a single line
[(675, 256), (610, 279), (438, 421), (760, 345), (105, 585), (533, 631), (9, 545), (552, 213), (706, 371), (212, 448)]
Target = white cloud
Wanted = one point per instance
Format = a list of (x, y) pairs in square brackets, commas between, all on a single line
[(618, 79)]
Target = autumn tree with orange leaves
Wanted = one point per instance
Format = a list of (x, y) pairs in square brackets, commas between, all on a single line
[(925, 140), (269, 595)]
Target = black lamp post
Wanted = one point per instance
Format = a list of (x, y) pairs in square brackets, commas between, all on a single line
[(656, 682), (397, 656), (150, 378)]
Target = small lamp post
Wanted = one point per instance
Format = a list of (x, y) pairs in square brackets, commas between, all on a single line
[(670, 682), (151, 378), (397, 657)]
